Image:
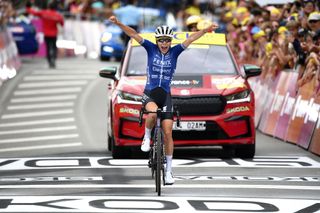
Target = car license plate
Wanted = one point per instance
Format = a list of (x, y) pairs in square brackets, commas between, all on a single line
[(190, 125)]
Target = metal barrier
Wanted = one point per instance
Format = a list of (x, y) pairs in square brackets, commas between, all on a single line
[(287, 111)]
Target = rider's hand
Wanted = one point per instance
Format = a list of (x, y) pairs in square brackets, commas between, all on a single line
[(114, 19), (212, 27)]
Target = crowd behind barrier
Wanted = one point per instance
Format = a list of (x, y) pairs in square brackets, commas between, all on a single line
[(284, 40)]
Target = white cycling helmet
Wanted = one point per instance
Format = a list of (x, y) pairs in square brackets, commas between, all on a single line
[(164, 31)]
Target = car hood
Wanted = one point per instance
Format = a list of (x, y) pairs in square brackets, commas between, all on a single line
[(185, 85)]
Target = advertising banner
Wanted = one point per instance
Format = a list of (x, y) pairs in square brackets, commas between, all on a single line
[(301, 107), (311, 117), (315, 141), (287, 106), (272, 87), (260, 98), (277, 103)]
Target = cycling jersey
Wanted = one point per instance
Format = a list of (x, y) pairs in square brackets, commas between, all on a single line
[(160, 67)]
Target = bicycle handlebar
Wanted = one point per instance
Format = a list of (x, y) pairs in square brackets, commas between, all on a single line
[(158, 112)]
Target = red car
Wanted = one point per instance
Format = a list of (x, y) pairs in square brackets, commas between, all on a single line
[(209, 89)]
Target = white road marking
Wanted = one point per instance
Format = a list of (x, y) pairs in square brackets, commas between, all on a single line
[(51, 146), (34, 130), (48, 91), (176, 185), (40, 106), (52, 84), (40, 138), (43, 98), (59, 77), (34, 114), (147, 203), (37, 122)]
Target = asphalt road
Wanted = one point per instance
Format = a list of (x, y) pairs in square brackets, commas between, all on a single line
[(54, 158)]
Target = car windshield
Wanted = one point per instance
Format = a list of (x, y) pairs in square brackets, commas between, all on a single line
[(197, 59)]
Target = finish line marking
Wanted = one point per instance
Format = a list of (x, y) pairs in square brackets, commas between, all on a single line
[(137, 186)]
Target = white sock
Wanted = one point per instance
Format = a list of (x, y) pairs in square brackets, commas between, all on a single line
[(169, 163), (147, 133)]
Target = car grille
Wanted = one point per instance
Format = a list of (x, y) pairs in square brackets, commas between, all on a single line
[(209, 105)]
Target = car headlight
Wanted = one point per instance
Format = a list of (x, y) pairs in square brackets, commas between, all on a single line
[(129, 97), (107, 49), (243, 96), (106, 37)]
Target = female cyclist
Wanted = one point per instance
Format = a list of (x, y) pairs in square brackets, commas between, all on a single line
[(161, 65)]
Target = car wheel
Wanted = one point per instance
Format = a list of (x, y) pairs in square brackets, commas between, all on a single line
[(245, 151), (119, 152), (104, 58), (109, 143)]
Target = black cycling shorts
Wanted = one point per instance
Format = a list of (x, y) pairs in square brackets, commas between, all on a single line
[(161, 98)]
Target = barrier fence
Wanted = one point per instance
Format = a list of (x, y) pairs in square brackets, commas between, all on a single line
[(288, 112), (9, 59)]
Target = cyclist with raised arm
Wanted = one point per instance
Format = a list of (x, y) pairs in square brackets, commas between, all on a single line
[(161, 65)]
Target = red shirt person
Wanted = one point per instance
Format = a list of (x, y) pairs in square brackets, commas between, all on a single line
[(50, 20)]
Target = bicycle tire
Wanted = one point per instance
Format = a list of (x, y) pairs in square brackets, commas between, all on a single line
[(151, 160), (158, 161)]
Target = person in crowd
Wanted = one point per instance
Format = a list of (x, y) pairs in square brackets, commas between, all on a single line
[(192, 22), (314, 22), (161, 65), (51, 20), (308, 7), (131, 16), (6, 11)]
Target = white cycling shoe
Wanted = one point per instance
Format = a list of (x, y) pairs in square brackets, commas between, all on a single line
[(145, 146), (168, 178)]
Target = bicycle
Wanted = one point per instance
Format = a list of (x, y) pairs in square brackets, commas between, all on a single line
[(157, 158)]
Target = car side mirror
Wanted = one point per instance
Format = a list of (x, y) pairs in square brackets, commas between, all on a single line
[(109, 72), (251, 70)]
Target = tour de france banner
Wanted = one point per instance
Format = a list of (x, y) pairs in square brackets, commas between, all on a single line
[(277, 103), (310, 121), (315, 142), (299, 111), (287, 106), (260, 98), (272, 88)]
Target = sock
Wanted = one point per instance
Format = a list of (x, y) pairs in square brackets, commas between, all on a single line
[(147, 133), (169, 163)]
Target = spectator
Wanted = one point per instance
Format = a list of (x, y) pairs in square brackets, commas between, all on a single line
[(129, 15), (51, 19), (192, 22), (314, 22), (6, 11), (308, 8)]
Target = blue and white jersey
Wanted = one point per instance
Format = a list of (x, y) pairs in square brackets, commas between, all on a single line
[(160, 67)]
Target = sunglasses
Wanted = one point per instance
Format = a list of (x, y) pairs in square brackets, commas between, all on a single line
[(313, 21), (162, 40)]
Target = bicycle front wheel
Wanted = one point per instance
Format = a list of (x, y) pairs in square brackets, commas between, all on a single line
[(158, 162)]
